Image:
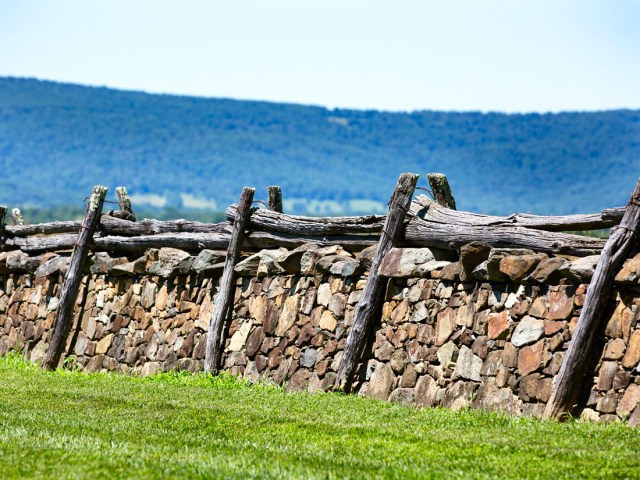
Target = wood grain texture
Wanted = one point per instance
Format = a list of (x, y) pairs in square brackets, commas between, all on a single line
[(568, 381), (225, 295), (64, 313), (370, 300)]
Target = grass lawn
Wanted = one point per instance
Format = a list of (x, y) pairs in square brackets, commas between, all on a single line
[(72, 425)]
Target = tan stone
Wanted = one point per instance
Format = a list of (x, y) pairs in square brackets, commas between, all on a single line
[(445, 325), (288, 315), (104, 344), (239, 338), (530, 358), (399, 314), (629, 401), (516, 267), (632, 356), (539, 307), (614, 349), (498, 325), (328, 321)]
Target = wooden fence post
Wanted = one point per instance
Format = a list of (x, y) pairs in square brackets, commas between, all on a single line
[(227, 283), (125, 203), (369, 302), (64, 314), (568, 382), (441, 190), (16, 216), (275, 198), (3, 214)]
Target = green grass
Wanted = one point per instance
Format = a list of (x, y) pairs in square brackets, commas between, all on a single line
[(72, 425)]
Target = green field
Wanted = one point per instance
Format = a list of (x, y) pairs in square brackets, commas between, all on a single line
[(72, 425)]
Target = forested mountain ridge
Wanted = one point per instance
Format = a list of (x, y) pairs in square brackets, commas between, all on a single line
[(58, 140)]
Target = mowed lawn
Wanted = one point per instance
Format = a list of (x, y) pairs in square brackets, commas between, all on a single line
[(72, 425)]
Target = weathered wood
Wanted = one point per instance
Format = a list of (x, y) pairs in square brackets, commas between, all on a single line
[(274, 202), (125, 203), (225, 295), (3, 214), (267, 220), (16, 216), (369, 302), (441, 190), (117, 226), (568, 381), (64, 313), (421, 233), (428, 210)]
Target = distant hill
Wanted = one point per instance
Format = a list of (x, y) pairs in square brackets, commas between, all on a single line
[(57, 140)]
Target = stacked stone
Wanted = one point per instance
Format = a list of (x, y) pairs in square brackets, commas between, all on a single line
[(486, 329)]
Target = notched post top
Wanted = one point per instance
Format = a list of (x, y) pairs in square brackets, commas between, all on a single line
[(98, 194), (442, 194), (123, 197)]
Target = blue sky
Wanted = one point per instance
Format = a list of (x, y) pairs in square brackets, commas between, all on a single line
[(499, 55)]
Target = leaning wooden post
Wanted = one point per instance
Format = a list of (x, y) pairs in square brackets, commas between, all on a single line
[(16, 216), (369, 302), (442, 194), (227, 282), (568, 382), (275, 199), (125, 202), (3, 213), (64, 314)]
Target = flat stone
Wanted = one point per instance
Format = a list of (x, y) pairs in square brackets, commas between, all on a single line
[(448, 354), (629, 401), (630, 271), (239, 338), (614, 349), (530, 358), (346, 268), (403, 396), (494, 399), (308, 358), (459, 395), (171, 262), (468, 365), (324, 294), (529, 330), (427, 392), (288, 315), (207, 261), (445, 325), (101, 262), (632, 355), (560, 305), (261, 264), (496, 256), (580, 270), (517, 267), (381, 382), (366, 256), (137, 267), (104, 344), (451, 272), (606, 375), (498, 325), (57, 264), (546, 272), (472, 255), (328, 321), (413, 262)]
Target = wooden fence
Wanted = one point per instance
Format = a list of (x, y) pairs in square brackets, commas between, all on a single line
[(420, 222)]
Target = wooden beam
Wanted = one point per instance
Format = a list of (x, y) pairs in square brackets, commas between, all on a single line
[(275, 199), (125, 203), (225, 295), (432, 212), (64, 313), (369, 303), (568, 381), (441, 190)]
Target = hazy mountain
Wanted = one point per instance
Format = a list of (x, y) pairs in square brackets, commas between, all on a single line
[(57, 140)]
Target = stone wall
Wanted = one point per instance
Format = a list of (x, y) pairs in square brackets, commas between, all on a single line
[(488, 329)]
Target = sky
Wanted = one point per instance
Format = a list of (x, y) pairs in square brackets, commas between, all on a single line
[(400, 55)]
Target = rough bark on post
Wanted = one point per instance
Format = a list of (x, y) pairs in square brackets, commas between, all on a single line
[(441, 190), (568, 382), (16, 216), (64, 314), (369, 302), (274, 202), (3, 213), (227, 282), (125, 203)]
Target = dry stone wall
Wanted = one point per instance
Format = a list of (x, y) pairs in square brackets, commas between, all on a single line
[(486, 329)]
